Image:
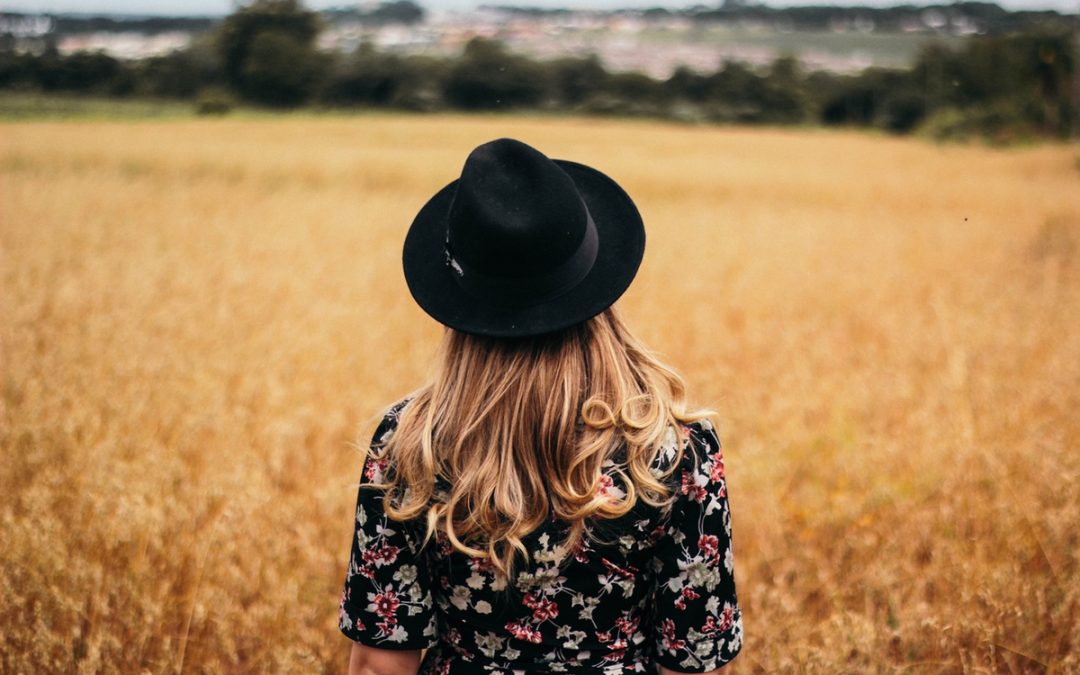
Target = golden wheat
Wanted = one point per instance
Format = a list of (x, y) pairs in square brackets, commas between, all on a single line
[(199, 318)]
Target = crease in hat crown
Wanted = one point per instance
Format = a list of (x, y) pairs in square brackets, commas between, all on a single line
[(517, 231)]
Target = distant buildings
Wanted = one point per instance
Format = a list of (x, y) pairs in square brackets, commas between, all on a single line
[(124, 45), (655, 42)]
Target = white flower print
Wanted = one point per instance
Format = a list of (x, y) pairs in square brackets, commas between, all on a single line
[(406, 574), (460, 597), (489, 643), (398, 634), (712, 605), (699, 573), (475, 580)]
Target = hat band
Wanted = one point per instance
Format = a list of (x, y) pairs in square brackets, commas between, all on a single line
[(524, 291)]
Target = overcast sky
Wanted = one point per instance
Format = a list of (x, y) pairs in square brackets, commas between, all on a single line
[(211, 7)]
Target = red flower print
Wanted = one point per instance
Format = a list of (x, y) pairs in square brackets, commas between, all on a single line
[(710, 546), (386, 627), (670, 641), (717, 471), (605, 484), (386, 604), (579, 551), (523, 632), (384, 554), (375, 468), (604, 636), (687, 594), (710, 626), (628, 572), (545, 609), (387, 553), (727, 617), (531, 600), (615, 655), (627, 625), (453, 638), (690, 488), (445, 547)]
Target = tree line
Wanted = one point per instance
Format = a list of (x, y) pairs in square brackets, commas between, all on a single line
[(1004, 85)]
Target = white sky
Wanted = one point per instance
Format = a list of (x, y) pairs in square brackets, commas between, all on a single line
[(212, 7)]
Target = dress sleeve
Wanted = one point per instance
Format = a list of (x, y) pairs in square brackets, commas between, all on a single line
[(697, 622), (386, 601)]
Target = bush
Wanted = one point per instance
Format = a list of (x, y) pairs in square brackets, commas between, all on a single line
[(902, 111), (367, 78), (488, 77), (1001, 123), (214, 101)]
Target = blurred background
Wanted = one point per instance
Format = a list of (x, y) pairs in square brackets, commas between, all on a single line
[(946, 70), (864, 252)]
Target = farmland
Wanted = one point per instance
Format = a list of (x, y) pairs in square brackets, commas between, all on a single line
[(201, 320)]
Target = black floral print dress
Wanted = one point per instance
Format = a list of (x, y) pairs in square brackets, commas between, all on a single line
[(655, 586)]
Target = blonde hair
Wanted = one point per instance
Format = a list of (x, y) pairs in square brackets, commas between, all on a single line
[(516, 427)]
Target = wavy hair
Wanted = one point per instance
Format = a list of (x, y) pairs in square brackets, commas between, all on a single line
[(518, 429)]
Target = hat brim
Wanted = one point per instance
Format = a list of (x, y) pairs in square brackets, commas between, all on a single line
[(621, 235)]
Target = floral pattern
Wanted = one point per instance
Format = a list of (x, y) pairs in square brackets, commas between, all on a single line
[(655, 586)]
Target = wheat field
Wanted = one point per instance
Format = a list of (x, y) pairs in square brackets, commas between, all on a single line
[(200, 320)]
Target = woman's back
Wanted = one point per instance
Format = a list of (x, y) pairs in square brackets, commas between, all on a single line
[(654, 586), (546, 502)]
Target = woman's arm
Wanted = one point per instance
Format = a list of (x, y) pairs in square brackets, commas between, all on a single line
[(364, 660)]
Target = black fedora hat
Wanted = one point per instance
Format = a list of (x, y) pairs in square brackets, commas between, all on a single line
[(522, 244)]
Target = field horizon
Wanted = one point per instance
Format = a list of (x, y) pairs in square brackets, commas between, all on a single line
[(203, 318)]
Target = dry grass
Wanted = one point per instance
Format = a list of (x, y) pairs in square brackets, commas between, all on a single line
[(198, 317)]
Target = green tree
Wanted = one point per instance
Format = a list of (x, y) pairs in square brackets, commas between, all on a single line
[(268, 51), (576, 79), (488, 76), (368, 77)]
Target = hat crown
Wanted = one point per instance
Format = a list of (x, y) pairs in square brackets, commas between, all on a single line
[(515, 213), (521, 245)]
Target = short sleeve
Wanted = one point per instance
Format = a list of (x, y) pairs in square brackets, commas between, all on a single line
[(697, 622), (386, 601)]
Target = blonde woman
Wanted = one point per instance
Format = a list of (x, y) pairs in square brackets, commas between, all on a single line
[(546, 503)]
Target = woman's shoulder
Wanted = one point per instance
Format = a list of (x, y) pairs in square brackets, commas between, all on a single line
[(688, 444), (389, 422), (702, 436)]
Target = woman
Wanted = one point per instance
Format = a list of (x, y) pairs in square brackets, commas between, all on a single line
[(546, 503)]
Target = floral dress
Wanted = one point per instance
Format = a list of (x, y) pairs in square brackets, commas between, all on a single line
[(654, 586)]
